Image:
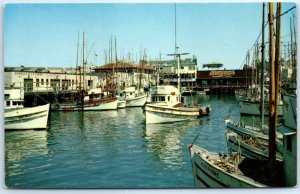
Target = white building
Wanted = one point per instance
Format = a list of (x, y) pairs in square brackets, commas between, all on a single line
[(168, 71), (35, 79)]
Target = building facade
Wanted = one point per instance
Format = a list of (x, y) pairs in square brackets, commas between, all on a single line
[(168, 71), (123, 74), (49, 79)]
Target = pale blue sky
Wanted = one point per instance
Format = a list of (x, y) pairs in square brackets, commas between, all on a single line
[(46, 34)]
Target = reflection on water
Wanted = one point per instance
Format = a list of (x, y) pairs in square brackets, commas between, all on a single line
[(25, 144), (113, 149), (165, 141)]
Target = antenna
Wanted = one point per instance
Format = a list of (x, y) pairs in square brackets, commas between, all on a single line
[(175, 29)]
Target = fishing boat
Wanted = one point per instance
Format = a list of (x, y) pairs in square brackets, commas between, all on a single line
[(252, 107), (133, 97), (94, 100), (18, 117), (249, 147), (215, 170), (165, 106), (219, 170), (247, 131)]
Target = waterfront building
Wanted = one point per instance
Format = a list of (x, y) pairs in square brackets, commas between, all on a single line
[(48, 79), (168, 71), (118, 76), (223, 81)]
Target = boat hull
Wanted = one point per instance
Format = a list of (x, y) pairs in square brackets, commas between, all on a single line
[(252, 149), (103, 104), (208, 175), (137, 101), (253, 108), (106, 105), (121, 104), (27, 118), (159, 114)]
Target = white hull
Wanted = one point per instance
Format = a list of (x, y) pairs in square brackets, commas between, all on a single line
[(165, 114), (252, 108), (121, 104), (137, 101), (27, 118), (94, 106), (110, 105), (207, 174)]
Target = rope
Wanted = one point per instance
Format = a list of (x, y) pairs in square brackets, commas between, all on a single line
[(41, 97)]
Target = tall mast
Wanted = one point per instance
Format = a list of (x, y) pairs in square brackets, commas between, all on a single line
[(177, 56), (83, 60), (77, 62), (175, 29), (277, 65), (272, 124), (293, 51), (116, 64), (262, 69)]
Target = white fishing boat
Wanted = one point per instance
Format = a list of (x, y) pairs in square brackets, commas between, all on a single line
[(218, 170), (165, 106), (18, 117), (133, 98), (95, 100)]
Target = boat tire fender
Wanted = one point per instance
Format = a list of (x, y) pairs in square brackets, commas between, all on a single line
[(200, 112), (207, 110), (56, 106)]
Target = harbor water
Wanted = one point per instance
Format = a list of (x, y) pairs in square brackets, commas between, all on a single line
[(114, 149)]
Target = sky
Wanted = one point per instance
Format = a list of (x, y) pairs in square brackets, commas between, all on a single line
[(46, 35)]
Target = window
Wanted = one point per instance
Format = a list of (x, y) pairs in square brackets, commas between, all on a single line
[(169, 98), (162, 98), (47, 82), (15, 103), (37, 82), (7, 103), (42, 81)]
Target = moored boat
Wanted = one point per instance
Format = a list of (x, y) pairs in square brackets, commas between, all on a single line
[(218, 170), (18, 117), (252, 107), (95, 100), (133, 97), (249, 147), (165, 106)]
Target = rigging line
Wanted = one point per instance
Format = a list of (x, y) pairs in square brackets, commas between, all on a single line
[(261, 32), (256, 41), (40, 97), (286, 11)]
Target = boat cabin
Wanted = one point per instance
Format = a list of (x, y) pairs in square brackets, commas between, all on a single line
[(13, 98), (164, 93), (94, 94), (129, 93)]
